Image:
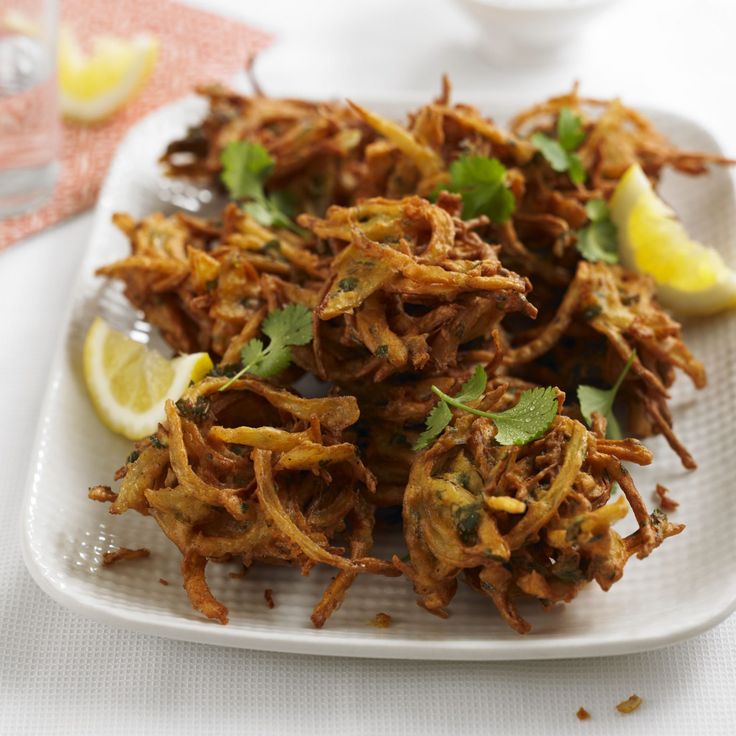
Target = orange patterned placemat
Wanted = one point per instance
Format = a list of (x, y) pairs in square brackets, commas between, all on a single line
[(195, 47)]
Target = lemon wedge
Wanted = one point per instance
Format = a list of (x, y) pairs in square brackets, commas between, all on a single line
[(14, 21), (129, 384), (93, 87), (691, 278)]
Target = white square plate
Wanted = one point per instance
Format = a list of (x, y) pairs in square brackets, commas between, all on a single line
[(687, 586)]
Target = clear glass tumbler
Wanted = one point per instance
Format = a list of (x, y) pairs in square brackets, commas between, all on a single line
[(29, 118)]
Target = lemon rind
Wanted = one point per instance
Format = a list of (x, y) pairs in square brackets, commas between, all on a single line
[(116, 417)]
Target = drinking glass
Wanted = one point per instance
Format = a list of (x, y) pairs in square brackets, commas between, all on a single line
[(29, 121)]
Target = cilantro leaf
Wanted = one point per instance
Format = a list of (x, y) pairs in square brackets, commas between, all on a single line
[(267, 213), (285, 327), (599, 400), (481, 181), (597, 209), (245, 168), (598, 241), (594, 399), (291, 325), (575, 169), (560, 153), (285, 203), (554, 153), (474, 387), (570, 131), (251, 352), (441, 415), (529, 419), (260, 212), (436, 422), (271, 362)]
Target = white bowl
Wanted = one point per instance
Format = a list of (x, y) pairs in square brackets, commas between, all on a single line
[(514, 30)]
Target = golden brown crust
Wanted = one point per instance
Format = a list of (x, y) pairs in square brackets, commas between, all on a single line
[(406, 296)]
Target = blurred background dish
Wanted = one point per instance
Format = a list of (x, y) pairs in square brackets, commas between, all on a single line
[(530, 29)]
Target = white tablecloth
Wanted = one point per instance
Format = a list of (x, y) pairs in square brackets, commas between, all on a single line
[(62, 674)]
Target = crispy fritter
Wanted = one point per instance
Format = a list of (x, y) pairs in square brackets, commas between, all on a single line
[(406, 296), (410, 288), (318, 146), (606, 314), (532, 520), (207, 286), (257, 473)]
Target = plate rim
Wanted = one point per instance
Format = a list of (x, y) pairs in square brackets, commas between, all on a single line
[(305, 641)]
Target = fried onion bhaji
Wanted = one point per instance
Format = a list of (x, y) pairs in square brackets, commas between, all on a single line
[(317, 146), (408, 298), (532, 520), (410, 287), (256, 473), (539, 240), (609, 313), (207, 286)]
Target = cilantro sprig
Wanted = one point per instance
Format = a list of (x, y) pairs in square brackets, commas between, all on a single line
[(598, 240), (245, 168), (481, 181), (441, 415), (593, 399), (570, 131), (285, 327), (560, 153), (527, 421)]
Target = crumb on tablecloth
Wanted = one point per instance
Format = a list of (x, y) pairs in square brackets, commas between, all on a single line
[(582, 714), (629, 705)]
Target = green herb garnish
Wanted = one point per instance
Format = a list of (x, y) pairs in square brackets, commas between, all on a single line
[(245, 168), (285, 327), (481, 181), (195, 411), (529, 419), (560, 153), (156, 442), (601, 400), (347, 284), (467, 521), (598, 241), (228, 370), (570, 131)]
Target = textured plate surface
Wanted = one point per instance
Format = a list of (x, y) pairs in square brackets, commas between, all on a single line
[(687, 586)]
